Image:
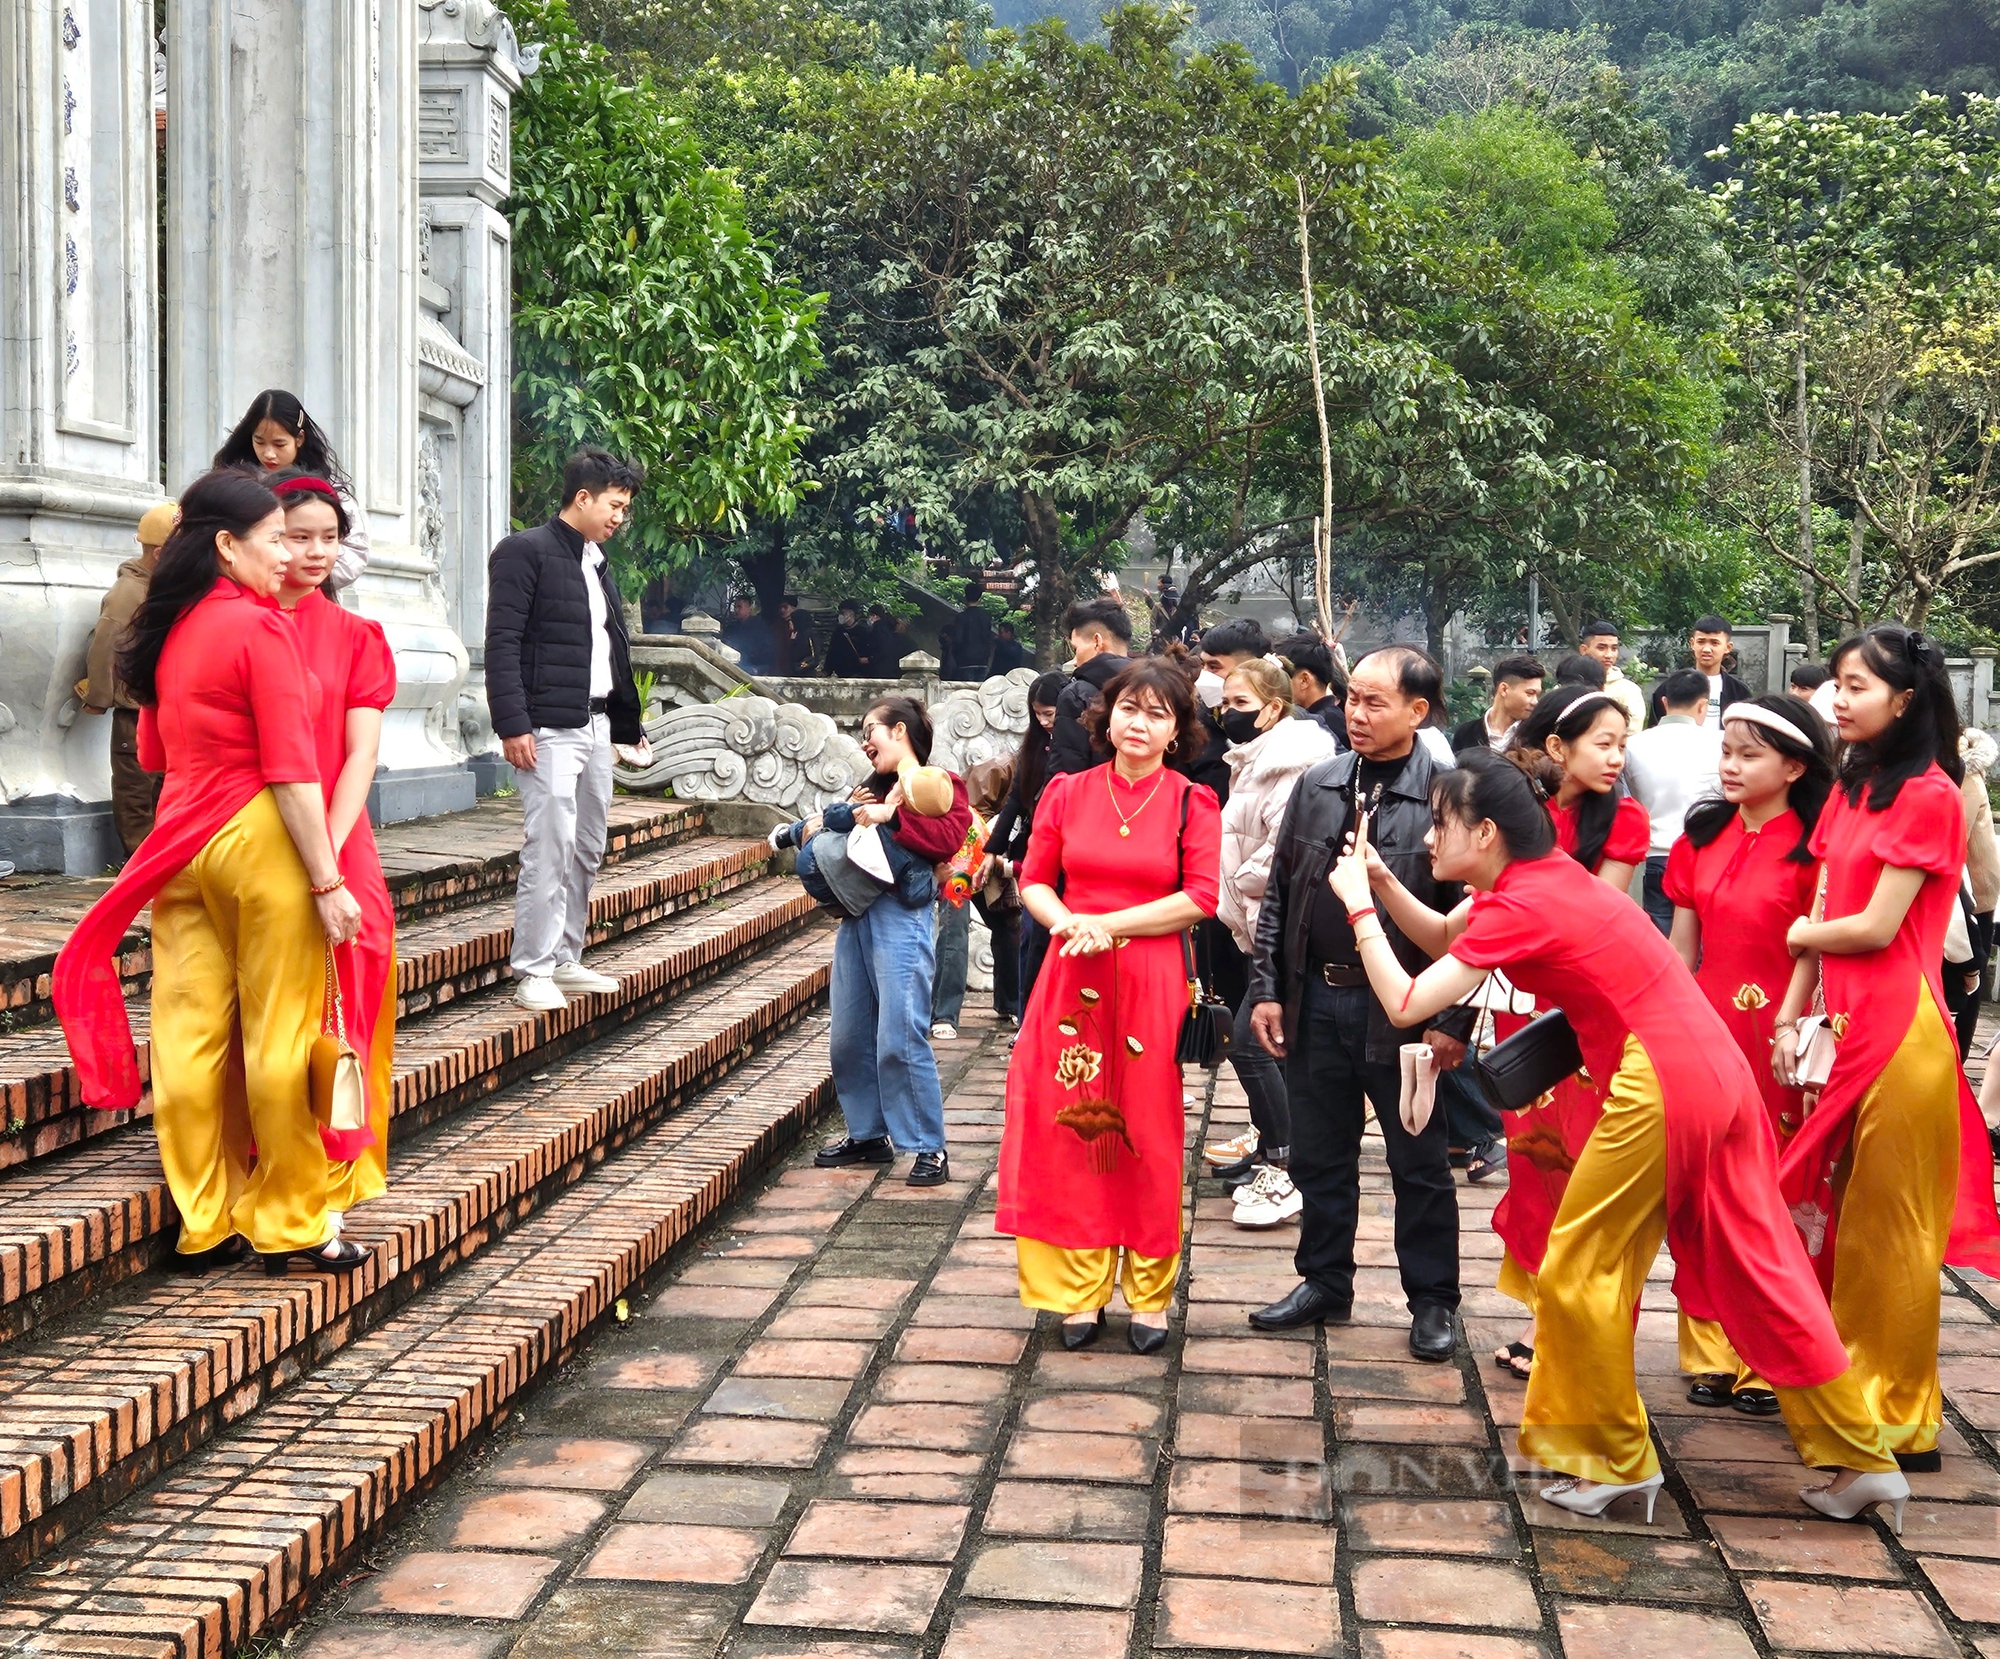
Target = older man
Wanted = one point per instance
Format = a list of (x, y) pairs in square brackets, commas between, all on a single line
[(1313, 1008)]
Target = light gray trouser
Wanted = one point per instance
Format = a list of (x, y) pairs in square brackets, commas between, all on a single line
[(565, 801)]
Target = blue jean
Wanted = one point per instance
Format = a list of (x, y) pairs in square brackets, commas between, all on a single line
[(884, 961), (1657, 904), (954, 953)]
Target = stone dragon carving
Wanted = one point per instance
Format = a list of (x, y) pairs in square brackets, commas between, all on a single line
[(749, 749)]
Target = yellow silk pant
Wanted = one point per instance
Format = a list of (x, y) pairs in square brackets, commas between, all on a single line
[(1583, 1415), (1895, 1207), (1516, 1281), (1706, 1352), (239, 965), (367, 1176), (1078, 1281)]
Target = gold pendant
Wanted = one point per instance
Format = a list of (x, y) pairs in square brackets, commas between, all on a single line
[(1124, 829)]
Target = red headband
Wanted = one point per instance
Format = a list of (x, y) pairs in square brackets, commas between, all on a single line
[(318, 486)]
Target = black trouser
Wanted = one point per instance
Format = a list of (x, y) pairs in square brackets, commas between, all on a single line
[(1658, 905), (1034, 946), (1327, 1081), (1469, 1116), (1963, 1004), (1005, 926)]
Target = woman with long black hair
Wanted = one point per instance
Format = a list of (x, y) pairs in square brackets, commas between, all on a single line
[(1740, 874), (1015, 821), (1682, 1153), (247, 895), (1892, 1174), (275, 435)]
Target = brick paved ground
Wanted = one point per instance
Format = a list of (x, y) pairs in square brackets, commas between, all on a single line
[(834, 1431)]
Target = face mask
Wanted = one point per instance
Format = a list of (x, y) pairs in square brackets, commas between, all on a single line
[(1240, 725), (1208, 687)]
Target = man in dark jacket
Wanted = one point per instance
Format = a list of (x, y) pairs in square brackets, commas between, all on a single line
[(1100, 642), (559, 685), (1319, 690), (1709, 641), (1312, 1007), (1008, 653), (885, 646), (1517, 687), (847, 651), (972, 639)]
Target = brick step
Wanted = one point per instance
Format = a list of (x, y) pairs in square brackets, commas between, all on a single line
[(73, 1225), (439, 959), (432, 864), (103, 1402)]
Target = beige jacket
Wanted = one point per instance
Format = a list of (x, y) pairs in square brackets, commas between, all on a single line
[(1982, 854), (101, 689), (1262, 775)]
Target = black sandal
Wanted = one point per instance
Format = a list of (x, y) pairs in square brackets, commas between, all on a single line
[(1515, 1359), (337, 1255), (1489, 1159)]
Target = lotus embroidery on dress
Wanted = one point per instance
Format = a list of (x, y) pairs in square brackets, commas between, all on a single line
[(1837, 1024), (1810, 1219), (1078, 1065), (1094, 1119), (1749, 996), (1538, 1139)]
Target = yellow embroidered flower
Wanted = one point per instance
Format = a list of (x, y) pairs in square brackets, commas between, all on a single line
[(1750, 996), (1134, 1046), (1077, 1065), (1067, 1027), (1838, 1025), (1088, 995)]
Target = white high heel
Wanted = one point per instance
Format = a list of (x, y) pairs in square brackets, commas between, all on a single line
[(1863, 1493), (1564, 1495)]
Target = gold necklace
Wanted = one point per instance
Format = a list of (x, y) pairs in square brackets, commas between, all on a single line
[(1125, 818)]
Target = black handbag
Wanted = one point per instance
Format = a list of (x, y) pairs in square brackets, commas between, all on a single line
[(1518, 1072), (1208, 1028)]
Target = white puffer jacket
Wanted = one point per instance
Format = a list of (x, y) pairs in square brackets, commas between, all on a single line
[(1262, 775)]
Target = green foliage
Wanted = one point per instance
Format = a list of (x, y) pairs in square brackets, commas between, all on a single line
[(647, 317)]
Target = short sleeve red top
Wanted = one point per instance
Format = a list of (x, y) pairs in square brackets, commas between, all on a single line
[(351, 659), (1630, 839), (1746, 892)]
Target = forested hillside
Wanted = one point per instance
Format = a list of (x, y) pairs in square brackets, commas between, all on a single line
[(1696, 66)]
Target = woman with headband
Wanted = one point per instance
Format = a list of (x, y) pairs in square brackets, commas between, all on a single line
[(1682, 1153), (1891, 1175), (350, 657), (276, 436), (246, 891), (1739, 875)]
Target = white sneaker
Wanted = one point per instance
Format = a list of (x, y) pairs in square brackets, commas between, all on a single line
[(944, 1032), (539, 992), (575, 980), (1269, 1200)]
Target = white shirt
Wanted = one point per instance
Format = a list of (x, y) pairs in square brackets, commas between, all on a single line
[(1496, 744), (1714, 720), (1668, 768), (600, 621), (1438, 746)]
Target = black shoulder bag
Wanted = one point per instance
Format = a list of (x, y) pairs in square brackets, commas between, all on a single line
[(1208, 1027), (1515, 1074)]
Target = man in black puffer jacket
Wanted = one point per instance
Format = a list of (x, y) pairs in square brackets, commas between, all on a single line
[(559, 685)]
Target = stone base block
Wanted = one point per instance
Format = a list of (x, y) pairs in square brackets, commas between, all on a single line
[(58, 835), (421, 792), (491, 774)]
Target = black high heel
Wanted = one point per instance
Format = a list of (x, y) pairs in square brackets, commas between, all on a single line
[(1146, 1339), (337, 1255), (200, 1261), (1077, 1336)]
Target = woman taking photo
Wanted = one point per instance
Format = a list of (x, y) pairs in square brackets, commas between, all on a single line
[(1268, 753), (1683, 1152), (277, 435), (245, 888), (1891, 1175), (1739, 876), (350, 658), (1123, 862), (1572, 744), (1012, 825)]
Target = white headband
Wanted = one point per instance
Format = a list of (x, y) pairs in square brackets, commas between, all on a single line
[(1588, 698), (1753, 714)]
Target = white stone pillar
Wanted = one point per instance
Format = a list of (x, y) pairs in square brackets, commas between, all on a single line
[(471, 66), (292, 262), (79, 410)]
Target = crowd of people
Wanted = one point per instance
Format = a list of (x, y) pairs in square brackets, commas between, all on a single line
[(247, 705), (1757, 918)]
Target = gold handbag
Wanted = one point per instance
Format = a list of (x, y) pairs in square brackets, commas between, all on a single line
[(339, 1091)]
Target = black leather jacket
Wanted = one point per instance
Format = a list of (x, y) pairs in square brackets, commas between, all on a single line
[(1316, 822)]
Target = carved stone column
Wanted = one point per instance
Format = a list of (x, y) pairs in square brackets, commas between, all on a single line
[(292, 261), (471, 66), (79, 415)]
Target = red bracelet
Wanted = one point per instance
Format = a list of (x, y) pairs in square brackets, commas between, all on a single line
[(1354, 916)]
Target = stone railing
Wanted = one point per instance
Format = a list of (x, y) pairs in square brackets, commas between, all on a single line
[(752, 750)]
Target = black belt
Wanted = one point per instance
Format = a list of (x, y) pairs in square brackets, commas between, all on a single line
[(1341, 975), (599, 705)]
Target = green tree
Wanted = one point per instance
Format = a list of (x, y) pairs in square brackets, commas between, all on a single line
[(647, 317)]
